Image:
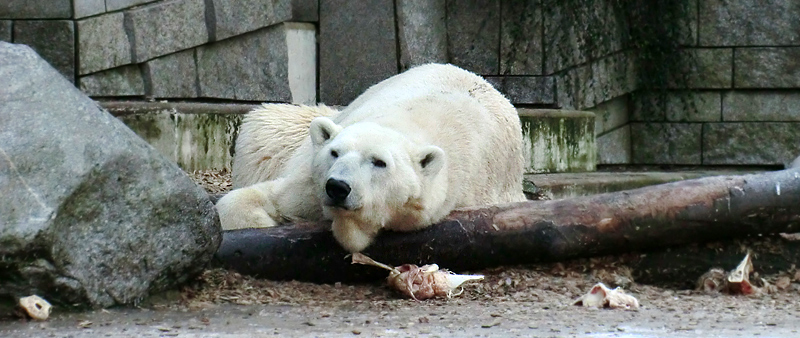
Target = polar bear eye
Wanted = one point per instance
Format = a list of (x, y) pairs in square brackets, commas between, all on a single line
[(378, 163), (334, 154)]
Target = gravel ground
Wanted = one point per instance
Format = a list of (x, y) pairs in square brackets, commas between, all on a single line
[(524, 301)]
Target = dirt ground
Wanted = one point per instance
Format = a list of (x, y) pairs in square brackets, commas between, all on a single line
[(524, 301)]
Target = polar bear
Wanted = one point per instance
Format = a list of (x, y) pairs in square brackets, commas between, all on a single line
[(401, 157)]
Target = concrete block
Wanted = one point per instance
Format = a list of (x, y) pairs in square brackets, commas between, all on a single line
[(473, 34), (121, 81), (421, 32), (521, 45), (558, 140), (172, 76), (539, 90), (769, 67), (666, 143), (53, 40), (235, 17), (84, 8), (705, 68), (614, 147), (102, 43), (358, 47), (242, 69), (568, 43), (166, 27), (610, 115), (602, 80), (113, 5), (749, 22), (761, 106), (305, 10), (6, 27), (704, 106), (35, 9), (752, 143)]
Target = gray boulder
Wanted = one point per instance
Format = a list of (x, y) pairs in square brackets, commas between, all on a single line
[(90, 213)]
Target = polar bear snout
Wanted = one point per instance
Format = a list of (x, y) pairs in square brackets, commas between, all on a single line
[(338, 191)]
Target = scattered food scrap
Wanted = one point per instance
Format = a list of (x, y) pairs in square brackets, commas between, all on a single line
[(739, 282), (420, 282), (36, 307), (601, 296)]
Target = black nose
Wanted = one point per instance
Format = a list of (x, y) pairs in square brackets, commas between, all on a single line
[(337, 190)]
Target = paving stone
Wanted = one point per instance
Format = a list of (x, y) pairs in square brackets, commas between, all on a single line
[(6, 30), (666, 143), (610, 115), (234, 17), (172, 76), (166, 27), (422, 32), (695, 106), (602, 80), (473, 34), (521, 50), (614, 147), (84, 8), (566, 41), (102, 43), (754, 143), (35, 9), (53, 40), (769, 67), (539, 90), (121, 81), (558, 140), (705, 68), (242, 69), (761, 106), (749, 22), (358, 47), (113, 5), (305, 10)]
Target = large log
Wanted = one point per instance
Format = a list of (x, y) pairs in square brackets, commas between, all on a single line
[(691, 211)]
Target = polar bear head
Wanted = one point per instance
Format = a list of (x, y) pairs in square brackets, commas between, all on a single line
[(369, 177)]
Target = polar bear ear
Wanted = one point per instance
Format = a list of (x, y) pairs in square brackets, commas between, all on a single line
[(323, 129), (431, 159)]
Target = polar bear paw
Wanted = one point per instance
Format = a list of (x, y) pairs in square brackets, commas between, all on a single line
[(245, 208)]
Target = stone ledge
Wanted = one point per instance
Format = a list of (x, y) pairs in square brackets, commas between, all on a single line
[(558, 140)]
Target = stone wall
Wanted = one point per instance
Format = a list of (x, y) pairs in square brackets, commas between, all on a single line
[(744, 83)]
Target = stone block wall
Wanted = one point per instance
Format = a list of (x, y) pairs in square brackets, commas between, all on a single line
[(242, 50), (740, 104), (741, 79)]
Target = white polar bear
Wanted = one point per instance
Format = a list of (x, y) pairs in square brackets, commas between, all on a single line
[(402, 156)]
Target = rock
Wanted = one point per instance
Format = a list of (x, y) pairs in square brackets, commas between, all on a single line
[(358, 47), (750, 143), (611, 114), (53, 40), (113, 5), (421, 32), (600, 81), (768, 67), (473, 35), (666, 143), (91, 213), (521, 50), (166, 27), (749, 23), (120, 81), (241, 68), (761, 106), (706, 68), (693, 106), (102, 43), (35, 9), (305, 10)]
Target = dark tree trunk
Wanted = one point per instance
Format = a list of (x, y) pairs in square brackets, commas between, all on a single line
[(644, 219)]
